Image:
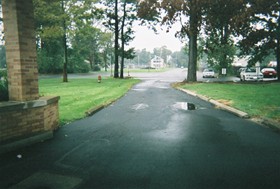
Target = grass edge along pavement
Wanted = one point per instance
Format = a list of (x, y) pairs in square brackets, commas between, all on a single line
[(83, 97), (257, 101)]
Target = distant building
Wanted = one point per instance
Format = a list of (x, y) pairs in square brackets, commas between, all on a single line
[(240, 62), (272, 64), (157, 62)]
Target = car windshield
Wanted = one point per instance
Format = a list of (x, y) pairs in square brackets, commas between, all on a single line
[(250, 70)]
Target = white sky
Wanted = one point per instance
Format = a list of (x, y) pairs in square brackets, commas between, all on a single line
[(146, 38)]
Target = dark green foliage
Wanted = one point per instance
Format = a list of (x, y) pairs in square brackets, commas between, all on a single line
[(260, 30), (2, 56), (49, 63), (4, 92)]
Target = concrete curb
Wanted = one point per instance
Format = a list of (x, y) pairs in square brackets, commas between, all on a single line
[(263, 121), (218, 104)]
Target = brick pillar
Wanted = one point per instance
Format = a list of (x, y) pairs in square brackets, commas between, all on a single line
[(20, 49)]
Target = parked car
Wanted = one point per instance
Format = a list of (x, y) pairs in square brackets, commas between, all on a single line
[(269, 72), (250, 74), (208, 73)]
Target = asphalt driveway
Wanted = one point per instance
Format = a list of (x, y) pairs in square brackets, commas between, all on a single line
[(150, 139)]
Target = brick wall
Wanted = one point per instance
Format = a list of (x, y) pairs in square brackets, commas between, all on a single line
[(24, 119)]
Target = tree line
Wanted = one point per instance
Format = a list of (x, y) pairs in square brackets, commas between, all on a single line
[(81, 35), (253, 26)]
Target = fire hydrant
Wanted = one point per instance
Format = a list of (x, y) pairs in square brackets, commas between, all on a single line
[(99, 79)]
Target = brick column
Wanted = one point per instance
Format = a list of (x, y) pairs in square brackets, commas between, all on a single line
[(20, 50)]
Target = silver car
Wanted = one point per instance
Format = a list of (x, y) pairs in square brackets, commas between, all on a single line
[(250, 74), (208, 73)]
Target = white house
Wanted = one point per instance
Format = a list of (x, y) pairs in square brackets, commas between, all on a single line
[(157, 62)]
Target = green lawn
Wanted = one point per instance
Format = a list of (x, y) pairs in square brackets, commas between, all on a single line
[(258, 100), (79, 95)]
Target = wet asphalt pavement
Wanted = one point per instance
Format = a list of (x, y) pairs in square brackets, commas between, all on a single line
[(149, 139)]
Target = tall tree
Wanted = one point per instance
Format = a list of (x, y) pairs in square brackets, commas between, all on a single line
[(64, 38), (86, 37), (116, 32), (188, 13), (127, 19), (220, 19), (120, 16), (49, 29)]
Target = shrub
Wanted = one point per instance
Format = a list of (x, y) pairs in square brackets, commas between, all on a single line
[(4, 92)]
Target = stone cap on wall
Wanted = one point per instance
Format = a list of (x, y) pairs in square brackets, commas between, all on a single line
[(16, 105)]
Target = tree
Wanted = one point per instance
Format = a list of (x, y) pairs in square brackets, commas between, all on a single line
[(127, 19), (86, 35), (219, 54), (106, 45), (220, 25), (260, 30), (65, 77), (64, 26), (120, 16), (142, 58), (49, 31), (116, 19), (189, 13), (180, 58), (163, 52)]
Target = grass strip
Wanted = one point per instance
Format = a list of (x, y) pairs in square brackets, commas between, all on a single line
[(80, 95), (257, 99)]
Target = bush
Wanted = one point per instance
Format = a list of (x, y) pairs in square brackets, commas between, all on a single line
[(4, 92), (96, 68)]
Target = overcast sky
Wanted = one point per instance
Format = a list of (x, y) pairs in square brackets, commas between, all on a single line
[(146, 38)]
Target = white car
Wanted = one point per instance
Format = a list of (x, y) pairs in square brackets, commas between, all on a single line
[(250, 74), (208, 73)]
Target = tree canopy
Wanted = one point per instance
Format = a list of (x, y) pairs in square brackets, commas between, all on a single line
[(255, 21)]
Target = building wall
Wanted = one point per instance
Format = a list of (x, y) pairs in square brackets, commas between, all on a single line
[(24, 119), (157, 62), (26, 114)]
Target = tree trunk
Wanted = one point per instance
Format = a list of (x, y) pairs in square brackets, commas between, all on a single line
[(192, 44), (192, 58), (122, 39), (105, 61), (116, 71), (224, 43), (65, 76)]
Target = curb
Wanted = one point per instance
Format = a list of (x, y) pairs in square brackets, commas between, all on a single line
[(218, 104), (263, 121)]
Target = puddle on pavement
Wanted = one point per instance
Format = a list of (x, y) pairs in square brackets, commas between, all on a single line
[(184, 106)]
